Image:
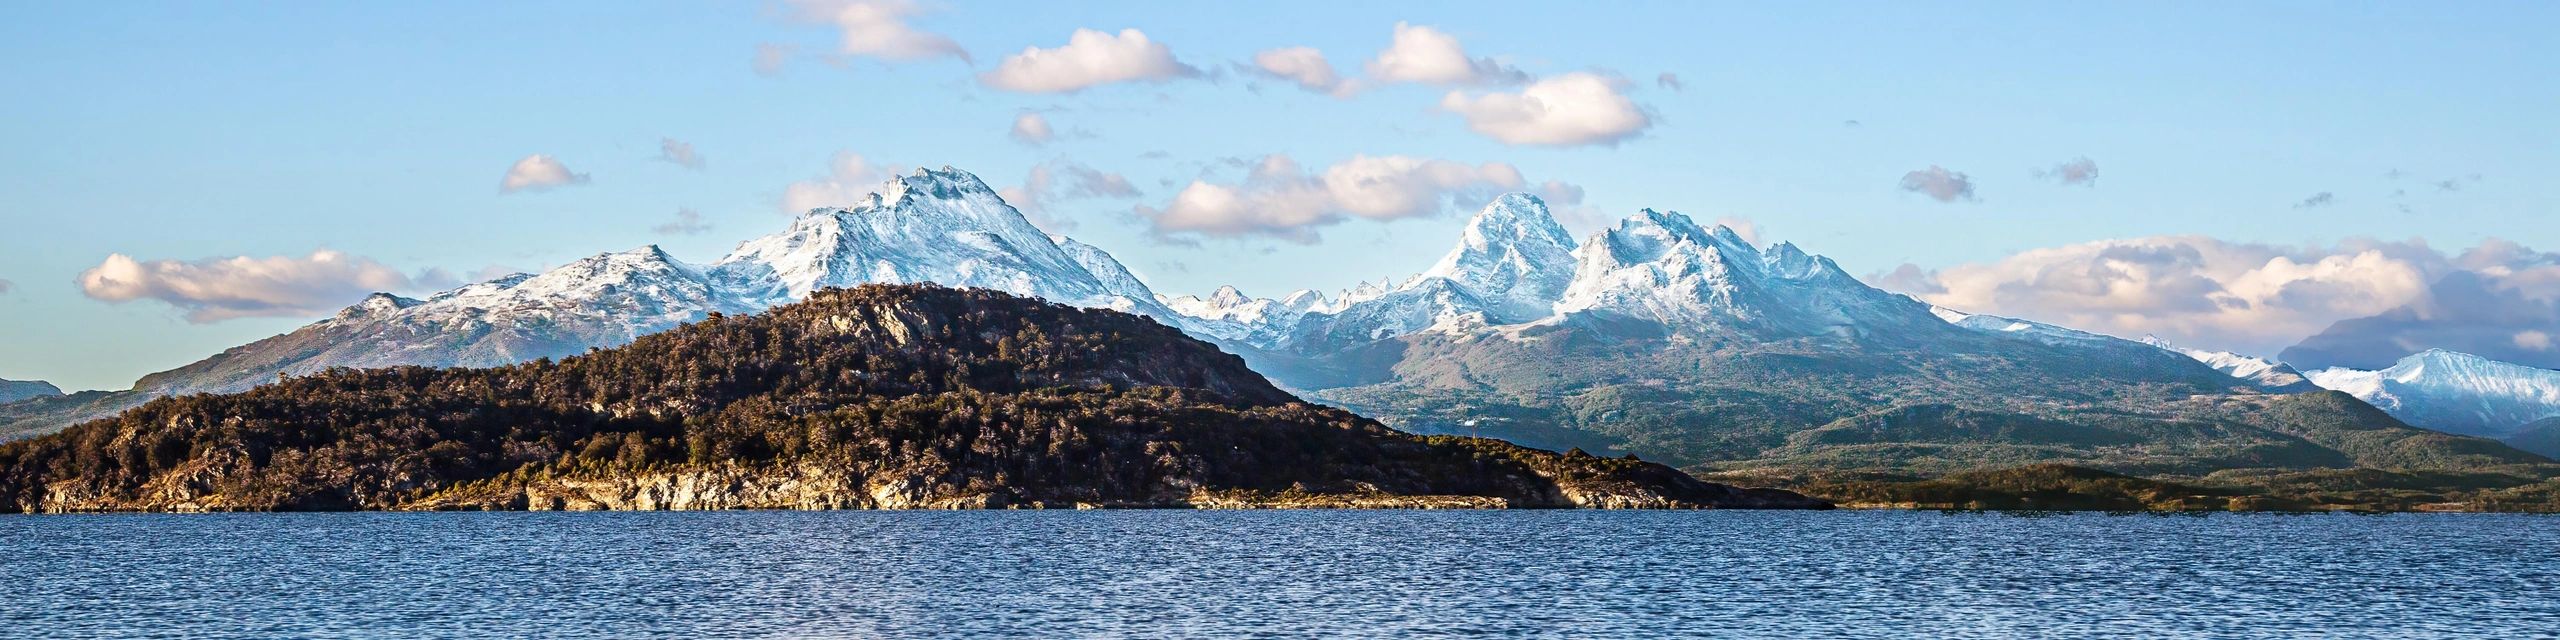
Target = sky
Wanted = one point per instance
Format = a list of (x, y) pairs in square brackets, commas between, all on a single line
[(180, 178)]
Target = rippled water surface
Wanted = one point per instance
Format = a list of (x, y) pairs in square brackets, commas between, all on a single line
[(1229, 574)]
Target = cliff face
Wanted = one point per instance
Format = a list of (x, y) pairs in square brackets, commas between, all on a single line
[(904, 397)]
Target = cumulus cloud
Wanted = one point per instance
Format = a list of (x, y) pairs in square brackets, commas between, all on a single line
[(2246, 297), (1279, 199), (1669, 81), (2533, 339), (679, 152), (688, 222), (1089, 59), (217, 289), (1303, 65), (538, 172), (1058, 181), (1032, 129), (2077, 171), (2321, 199), (876, 29), (1567, 110), (1425, 55), (1939, 184), (849, 177)]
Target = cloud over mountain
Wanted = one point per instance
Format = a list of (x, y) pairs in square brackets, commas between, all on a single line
[(1279, 199), (875, 29), (2244, 297), (1089, 59), (538, 172), (1302, 65), (217, 289), (1939, 184), (1031, 128), (1421, 54), (1573, 109)]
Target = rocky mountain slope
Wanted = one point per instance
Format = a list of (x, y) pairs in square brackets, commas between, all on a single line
[(877, 397), (942, 226), (2454, 392), (1685, 343)]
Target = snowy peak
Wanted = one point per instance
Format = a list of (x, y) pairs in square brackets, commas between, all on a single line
[(1662, 267), (1513, 257), (378, 304), (1229, 314), (939, 226), (2454, 392), (2265, 374), (1115, 277)]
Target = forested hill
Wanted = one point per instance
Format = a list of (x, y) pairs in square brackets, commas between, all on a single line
[(874, 397)]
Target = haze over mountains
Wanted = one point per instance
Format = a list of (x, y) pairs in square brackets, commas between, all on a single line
[(1657, 336)]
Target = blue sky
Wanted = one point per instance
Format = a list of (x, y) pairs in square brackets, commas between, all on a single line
[(196, 131)]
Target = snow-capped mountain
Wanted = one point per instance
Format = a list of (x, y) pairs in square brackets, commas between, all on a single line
[(15, 390), (1511, 264), (1231, 315), (942, 226), (2453, 392), (1661, 268), (2267, 374), (603, 300), (1512, 258)]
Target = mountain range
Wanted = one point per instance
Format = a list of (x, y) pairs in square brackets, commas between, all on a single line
[(1656, 336), (942, 226), (878, 397), (1689, 344)]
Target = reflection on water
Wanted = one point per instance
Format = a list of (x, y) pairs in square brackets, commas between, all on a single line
[(1181, 573)]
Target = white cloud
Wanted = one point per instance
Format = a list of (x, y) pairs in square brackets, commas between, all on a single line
[(217, 289), (688, 222), (2532, 339), (679, 152), (2079, 171), (1279, 199), (1089, 59), (877, 29), (849, 177), (1572, 109), (1670, 81), (1303, 65), (1425, 55), (2251, 298), (1058, 181), (1032, 129), (538, 172), (1939, 184)]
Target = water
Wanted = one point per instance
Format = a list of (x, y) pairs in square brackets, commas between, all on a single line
[(1243, 574)]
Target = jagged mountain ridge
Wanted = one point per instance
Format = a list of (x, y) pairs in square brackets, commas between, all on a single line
[(1686, 343), (942, 226), (2454, 392)]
